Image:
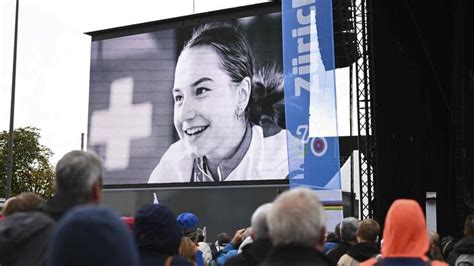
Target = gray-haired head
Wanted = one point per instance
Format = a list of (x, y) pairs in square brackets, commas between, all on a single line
[(76, 174), (349, 229), (296, 217), (259, 221)]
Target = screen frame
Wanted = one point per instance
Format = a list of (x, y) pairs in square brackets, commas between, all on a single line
[(186, 21), (190, 21)]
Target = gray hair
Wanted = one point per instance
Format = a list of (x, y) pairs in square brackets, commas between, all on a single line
[(76, 173), (259, 221), (349, 228), (296, 217)]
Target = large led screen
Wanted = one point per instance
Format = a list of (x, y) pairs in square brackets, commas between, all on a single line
[(192, 100)]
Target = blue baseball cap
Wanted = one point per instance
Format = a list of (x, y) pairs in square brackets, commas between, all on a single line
[(187, 221)]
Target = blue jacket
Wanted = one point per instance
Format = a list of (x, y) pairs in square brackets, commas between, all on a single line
[(226, 253)]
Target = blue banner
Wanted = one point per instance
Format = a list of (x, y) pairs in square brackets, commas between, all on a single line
[(310, 98)]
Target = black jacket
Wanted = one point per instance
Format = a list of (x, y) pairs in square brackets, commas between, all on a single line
[(363, 251), (252, 254), (295, 255), (462, 247), (24, 238), (335, 254)]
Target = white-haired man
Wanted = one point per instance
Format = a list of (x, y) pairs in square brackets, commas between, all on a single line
[(296, 224), (255, 252), (24, 236)]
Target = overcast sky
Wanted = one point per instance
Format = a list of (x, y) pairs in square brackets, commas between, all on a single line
[(54, 59)]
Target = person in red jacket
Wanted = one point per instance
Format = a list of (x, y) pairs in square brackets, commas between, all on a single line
[(405, 237)]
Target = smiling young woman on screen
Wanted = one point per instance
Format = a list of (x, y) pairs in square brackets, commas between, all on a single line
[(226, 117)]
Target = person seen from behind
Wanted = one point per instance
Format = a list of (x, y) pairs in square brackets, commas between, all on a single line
[(231, 249), (187, 223), (93, 236), (187, 250), (24, 202), (333, 239), (158, 237), (348, 236), (203, 246), (296, 224), (405, 237), (434, 252), (463, 251), (446, 245), (255, 252), (367, 235), (222, 240)]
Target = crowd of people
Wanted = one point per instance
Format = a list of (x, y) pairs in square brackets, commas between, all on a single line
[(72, 229)]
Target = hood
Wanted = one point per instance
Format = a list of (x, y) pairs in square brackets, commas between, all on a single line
[(363, 251), (405, 233), (18, 229), (464, 246)]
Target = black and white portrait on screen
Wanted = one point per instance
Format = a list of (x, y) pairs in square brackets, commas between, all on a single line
[(219, 111), (191, 104)]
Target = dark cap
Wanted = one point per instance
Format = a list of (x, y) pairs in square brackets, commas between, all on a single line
[(92, 236), (156, 229)]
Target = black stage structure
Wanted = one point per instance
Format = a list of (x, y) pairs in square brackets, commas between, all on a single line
[(424, 75)]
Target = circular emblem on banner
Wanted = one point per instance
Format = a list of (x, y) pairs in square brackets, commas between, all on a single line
[(319, 146)]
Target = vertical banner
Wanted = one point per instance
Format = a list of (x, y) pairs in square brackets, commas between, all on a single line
[(310, 99)]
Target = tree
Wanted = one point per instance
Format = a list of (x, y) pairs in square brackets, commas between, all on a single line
[(32, 171)]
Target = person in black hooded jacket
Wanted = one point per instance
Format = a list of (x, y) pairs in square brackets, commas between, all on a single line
[(463, 251), (366, 248)]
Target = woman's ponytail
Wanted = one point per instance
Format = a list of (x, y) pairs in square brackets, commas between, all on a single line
[(266, 106)]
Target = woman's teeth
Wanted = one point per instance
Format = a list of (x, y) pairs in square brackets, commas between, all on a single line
[(195, 130)]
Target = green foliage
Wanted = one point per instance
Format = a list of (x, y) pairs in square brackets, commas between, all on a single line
[(32, 171)]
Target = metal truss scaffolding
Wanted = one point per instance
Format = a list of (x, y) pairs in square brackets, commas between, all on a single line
[(365, 102)]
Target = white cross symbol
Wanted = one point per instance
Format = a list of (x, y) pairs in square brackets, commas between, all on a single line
[(121, 123)]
